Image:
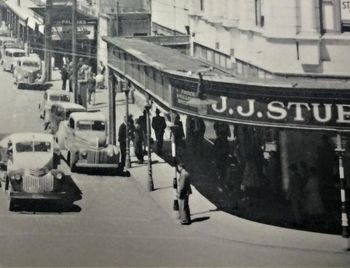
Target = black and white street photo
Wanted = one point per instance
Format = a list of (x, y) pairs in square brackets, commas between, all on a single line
[(174, 133)]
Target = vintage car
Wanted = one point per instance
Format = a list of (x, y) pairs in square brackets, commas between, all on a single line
[(30, 168), (5, 41), (60, 111), (10, 58), (83, 141), (28, 71), (51, 96)]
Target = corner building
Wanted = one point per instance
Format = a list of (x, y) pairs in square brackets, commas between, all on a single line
[(280, 81)]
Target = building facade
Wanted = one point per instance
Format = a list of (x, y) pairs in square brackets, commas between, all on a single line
[(281, 84), (266, 38)]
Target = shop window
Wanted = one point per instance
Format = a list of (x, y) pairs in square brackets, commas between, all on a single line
[(204, 53)]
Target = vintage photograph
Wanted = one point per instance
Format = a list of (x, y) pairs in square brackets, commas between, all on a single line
[(174, 133)]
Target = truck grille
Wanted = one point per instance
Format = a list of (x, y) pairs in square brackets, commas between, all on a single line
[(98, 157), (34, 184)]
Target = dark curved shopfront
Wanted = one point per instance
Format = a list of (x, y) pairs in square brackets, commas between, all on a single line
[(274, 128), (265, 131)]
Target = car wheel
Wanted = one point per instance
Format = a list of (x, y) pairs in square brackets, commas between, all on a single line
[(71, 160), (5, 185)]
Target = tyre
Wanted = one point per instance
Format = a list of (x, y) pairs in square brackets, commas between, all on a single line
[(71, 159)]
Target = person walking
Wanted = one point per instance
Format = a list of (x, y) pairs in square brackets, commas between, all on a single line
[(64, 76), (159, 125), (184, 191), (91, 87), (138, 141)]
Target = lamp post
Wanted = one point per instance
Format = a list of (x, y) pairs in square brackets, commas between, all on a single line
[(126, 91), (173, 129), (340, 151), (149, 151)]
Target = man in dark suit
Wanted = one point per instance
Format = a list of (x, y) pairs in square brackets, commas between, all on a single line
[(184, 190), (122, 143), (159, 125)]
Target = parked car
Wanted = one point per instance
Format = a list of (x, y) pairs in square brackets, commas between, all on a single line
[(28, 72), (5, 40), (10, 58), (60, 111), (31, 168), (51, 96), (83, 141)]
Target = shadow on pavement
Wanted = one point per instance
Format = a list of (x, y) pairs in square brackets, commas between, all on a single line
[(262, 206), (200, 219)]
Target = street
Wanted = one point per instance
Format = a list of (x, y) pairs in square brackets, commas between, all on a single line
[(117, 223)]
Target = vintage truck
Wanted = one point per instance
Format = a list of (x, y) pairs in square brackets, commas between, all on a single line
[(83, 142), (28, 168), (28, 72)]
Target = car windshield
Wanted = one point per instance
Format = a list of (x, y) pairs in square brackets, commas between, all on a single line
[(18, 54), (64, 98), (33, 146), (91, 125), (30, 64)]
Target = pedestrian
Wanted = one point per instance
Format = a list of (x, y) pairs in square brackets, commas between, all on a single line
[(198, 135), (179, 136), (122, 143), (91, 87), (159, 125), (70, 76), (64, 76), (143, 123), (295, 193), (184, 191), (189, 130), (138, 141), (313, 203), (101, 76)]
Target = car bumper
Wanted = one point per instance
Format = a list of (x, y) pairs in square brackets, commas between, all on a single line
[(96, 165), (39, 196)]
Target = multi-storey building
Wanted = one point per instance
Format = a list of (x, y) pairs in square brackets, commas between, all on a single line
[(264, 38), (280, 81)]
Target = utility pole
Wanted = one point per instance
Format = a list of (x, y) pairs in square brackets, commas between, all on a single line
[(74, 50), (48, 41)]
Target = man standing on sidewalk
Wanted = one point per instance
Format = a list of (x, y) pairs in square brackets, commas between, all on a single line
[(184, 191), (122, 143), (159, 125)]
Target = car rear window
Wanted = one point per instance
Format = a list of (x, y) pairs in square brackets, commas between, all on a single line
[(30, 64), (30, 146), (18, 54), (91, 125)]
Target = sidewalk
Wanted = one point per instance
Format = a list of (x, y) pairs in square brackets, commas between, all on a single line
[(207, 217)]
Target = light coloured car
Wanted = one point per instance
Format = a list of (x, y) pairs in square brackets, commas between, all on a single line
[(10, 58), (60, 111), (28, 72), (51, 96), (30, 168), (82, 140)]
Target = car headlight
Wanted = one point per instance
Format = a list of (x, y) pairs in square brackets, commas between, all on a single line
[(83, 154), (59, 175), (110, 152), (16, 177)]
